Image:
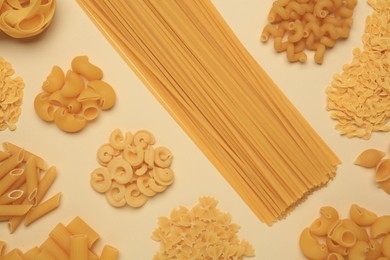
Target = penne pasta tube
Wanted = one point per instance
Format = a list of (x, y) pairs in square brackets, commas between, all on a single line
[(14, 254), (14, 210), (54, 249), (11, 196), (42, 209), (78, 247), (32, 253), (11, 162), (18, 184), (31, 171), (9, 179), (79, 226), (13, 148), (109, 253), (45, 183)]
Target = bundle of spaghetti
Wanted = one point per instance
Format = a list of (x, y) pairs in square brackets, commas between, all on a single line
[(197, 68)]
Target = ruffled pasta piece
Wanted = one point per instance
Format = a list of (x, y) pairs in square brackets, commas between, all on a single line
[(84, 67), (20, 20)]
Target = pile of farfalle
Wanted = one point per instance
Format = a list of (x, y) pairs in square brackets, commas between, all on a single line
[(25, 18)]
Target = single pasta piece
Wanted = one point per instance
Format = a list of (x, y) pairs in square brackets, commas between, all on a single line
[(55, 80), (42, 209), (84, 67), (383, 171), (358, 250), (51, 247), (361, 216), (78, 247), (311, 247), (109, 253), (106, 92), (79, 226), (73, 85), (14, 210)]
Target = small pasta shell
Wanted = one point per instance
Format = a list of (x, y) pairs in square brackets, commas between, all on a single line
[(383, 171), (106, 92), (334, 256), (55, 80), (134, 197), (374, 249), (381, 226), (311, 247), (342, 235), (320, 226), (73, 85), (68, 122), (116, 195), (73, 106), (43, 108), (384, 185), (358, 251), (101, 180), (84, 67), (335, 247), (361, 216), (57, 99), (163, 157), (386, 246), (369, 158), (359, 232), (120, 170)]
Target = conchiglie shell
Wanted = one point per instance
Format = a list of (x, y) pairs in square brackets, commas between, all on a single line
[(107, 93), (361, 216), (380, 227), (55, 80), (383, 171), (384, 185), (311, 247), (68, 122), (43, 108), (73, 86), (84, 67), (369, 158)]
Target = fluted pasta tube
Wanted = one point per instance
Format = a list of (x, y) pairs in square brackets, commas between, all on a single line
[(101, 179), (311, 247), (120, 170), (55, 80), (43, 108), (106, 92), (68, 122), (134, 197), (84, 67), (134, 155), (118, 140), (73, 85), (361, 216), (116, 195)]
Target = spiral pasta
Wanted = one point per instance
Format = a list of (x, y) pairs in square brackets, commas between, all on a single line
[(132, 169), (70, 102)]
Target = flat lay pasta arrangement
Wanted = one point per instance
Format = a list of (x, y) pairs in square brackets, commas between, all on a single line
[(205, 129)]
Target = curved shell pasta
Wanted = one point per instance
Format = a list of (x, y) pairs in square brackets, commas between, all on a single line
[(90, 109), (334, 256), (335, 247), (358, 251), (311, 247), (386, 246), (384, 185), (374, 249), (106, 92), (163, 157), (134, 155), (369, 158), (118, 140), (321, 226), (163, 176), (360, 233), (116, 195), (55, 80), (383, 171), (342, 235), (120, 170), (84, 67), (73, 85), (68, 122), (73, 106), (57, 99), (105, 154), (88, 94), (134, 197), (361, 216), (43, 108), (380, 227), (101, 180)]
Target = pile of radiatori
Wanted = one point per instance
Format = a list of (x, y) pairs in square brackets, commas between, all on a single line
[(23, 19)]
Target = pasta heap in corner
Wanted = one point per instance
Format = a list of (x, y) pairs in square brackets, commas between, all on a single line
[(203, 232), (316, 25), (23, 187), (74, 99), (132, 170)]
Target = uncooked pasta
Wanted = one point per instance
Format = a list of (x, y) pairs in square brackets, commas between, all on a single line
[(190, 59)]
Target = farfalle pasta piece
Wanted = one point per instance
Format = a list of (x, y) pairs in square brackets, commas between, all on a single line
[(22, 20), (84, 67)]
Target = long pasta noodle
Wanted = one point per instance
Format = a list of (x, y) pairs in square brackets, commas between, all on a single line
[(190, 59)]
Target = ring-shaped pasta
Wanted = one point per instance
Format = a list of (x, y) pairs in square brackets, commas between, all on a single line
[(73, 85), (106, 92), (358, 251), (90, 109), (143, 138), (144, 187), (84, 67), (43, 108), (163, 176), (311, 247), (105, 154), (134, 155), (381, 226), (134, 197), (361, 216), (120, 170), (118, 140), (163, 157), (68, 122), (101, 180), (55, 80), (116, 195)]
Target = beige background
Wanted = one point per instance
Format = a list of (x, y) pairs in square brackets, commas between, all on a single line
[(72, 34)]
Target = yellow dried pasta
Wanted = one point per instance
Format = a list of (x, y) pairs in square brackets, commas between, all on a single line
[(11, 96), (359, 97), (203, 232)]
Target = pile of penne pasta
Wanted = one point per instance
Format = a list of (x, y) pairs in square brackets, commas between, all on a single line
[(74, 241), (24, 182)]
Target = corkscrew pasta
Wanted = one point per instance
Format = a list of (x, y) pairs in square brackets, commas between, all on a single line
[(132, 170), (310, 25), (74, 99), (361, 236), (11, 96), (24, 183)]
